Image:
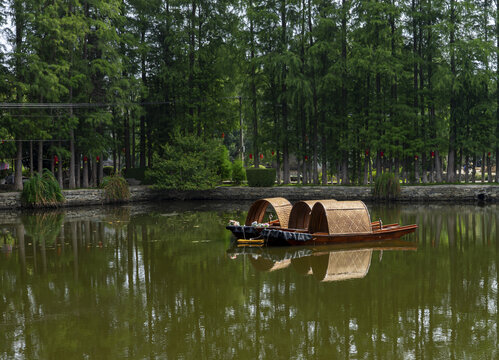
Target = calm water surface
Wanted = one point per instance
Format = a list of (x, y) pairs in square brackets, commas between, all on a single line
[(165, 282)]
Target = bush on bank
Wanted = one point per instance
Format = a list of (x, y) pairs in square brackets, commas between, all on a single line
[(260, 177), (238, 173), (189, 163)]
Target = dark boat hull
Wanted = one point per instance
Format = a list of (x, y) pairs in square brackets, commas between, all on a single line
[(244, 231)]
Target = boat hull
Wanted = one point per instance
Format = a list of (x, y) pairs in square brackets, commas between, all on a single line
[(283, 237), (384, 234)]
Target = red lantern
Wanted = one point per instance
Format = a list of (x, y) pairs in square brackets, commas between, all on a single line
[(85, 159), (97, 158), (306, 158), (56, 160), (416, 157), (432, 154), (261, 156), (273, 153), (223, 135), (381, 154), (251, 156), (488, 154), (367, 152)]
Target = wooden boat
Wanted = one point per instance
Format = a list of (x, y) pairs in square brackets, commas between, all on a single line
[(338, 221), (330, 221)]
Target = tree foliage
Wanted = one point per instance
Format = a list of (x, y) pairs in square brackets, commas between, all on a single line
[(337, 88), (188, 163)]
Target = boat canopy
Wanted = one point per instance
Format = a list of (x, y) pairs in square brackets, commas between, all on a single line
[(281, 206), (300, 214), (340, 217)]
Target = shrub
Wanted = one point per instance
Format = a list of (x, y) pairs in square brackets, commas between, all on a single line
[(224, 164), (386, 186), (42, 191), (260, 177), (115, 188), (187, 163), (238, 173)]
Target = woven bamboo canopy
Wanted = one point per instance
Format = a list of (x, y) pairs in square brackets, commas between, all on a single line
[(342, 265), (340, 217), (299, 217), (281, 206)]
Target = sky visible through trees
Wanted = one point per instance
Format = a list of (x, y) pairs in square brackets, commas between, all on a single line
[(343, 88)]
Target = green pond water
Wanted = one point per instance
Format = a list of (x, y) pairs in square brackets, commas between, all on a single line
[(165, 282)]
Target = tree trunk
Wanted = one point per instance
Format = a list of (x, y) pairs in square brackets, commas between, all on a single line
[(278, 169), (344, 169), (497, 94), (59, 168), (378, 164), (284, 104), (424, 166), (473, 172), (101, 168), (438, 167), (18, 172), (85, 173), (94, 172), (31, 166), (467, 168), (254, 112), (416, 170), (451, 170), (482, 168), (72, 180), (489, 170), (366, 170), (142, 161), (133, 144), (460, 166), (78, 168), (126, 141), (149, 145), (60, 179), (40, 157)]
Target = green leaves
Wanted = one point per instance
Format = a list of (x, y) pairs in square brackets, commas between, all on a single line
[(189, 163), (42, 191)]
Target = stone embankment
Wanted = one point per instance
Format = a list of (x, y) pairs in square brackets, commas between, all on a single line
[(442, 193)]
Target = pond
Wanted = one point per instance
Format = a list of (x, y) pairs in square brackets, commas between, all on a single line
[(164, 281)]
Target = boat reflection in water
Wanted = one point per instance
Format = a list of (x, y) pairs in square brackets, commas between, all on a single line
[(325, 263)]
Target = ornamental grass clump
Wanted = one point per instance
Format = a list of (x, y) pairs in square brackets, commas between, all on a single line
[(386, 186), (42, 191), (115, 188)]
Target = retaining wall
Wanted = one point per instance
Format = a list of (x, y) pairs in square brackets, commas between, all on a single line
[(453, 193)]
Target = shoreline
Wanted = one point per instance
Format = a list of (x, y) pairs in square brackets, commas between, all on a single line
[(142, 193)]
